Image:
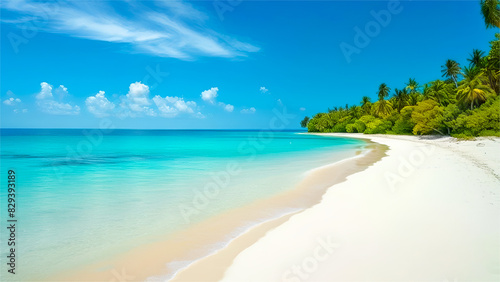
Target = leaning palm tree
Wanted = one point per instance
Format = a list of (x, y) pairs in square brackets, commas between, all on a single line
[(473, 93), (412, 85), (400, 99), (476, 58), (383, 91), (451, 69), (491, 13)]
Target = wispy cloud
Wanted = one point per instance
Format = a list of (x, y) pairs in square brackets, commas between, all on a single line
[(227, 107), (12, 101), (161, 28), (251, 110)]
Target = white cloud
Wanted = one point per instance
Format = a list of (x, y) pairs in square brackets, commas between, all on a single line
[(210, 95), (279, 102), (227, 107), (263, 90), (46, 92), (61, 92), (137, 101), (302, 109), (138, 96), (47, 104), (99, 105), (173, 106), (12, 101), (161, 28), (251, 110)]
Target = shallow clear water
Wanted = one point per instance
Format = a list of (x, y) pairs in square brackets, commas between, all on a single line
[(83, 195)]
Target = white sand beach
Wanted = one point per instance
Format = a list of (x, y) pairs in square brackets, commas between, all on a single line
[(428, 211)]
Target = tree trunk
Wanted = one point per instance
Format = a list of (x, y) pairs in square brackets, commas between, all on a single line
[(438, 131)]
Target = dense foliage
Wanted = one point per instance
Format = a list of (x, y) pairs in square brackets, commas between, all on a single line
[(466, 103)]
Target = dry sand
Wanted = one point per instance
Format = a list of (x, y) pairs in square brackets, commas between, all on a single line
[(429, 211)]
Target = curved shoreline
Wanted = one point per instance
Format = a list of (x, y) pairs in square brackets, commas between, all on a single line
[(427, 212), (212, 267), (150, 261)]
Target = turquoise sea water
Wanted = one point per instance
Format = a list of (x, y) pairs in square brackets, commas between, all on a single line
[(84, 195)]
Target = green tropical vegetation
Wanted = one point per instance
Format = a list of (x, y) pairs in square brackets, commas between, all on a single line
[(465, 104)]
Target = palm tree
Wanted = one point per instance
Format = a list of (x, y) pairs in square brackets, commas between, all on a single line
[(439, 91), (491, 13), (493, 79), (471, 73), (383, 108), (400, 99), (476, 58), (427, 91), (333, 110), (355, 111), (451, 69), (473, 92), (414, 95), (304, 122), (412, 85), (366, 104), (383, 91), (414, 98)]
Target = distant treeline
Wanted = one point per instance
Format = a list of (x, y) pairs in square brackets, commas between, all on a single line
[(466, 103)]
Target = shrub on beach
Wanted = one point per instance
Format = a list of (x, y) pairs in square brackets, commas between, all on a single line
[(483, 121)]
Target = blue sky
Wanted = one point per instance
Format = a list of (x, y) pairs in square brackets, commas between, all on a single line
[(217, 64)]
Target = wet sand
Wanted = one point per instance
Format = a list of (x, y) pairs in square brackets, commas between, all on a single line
[(190, 245)]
